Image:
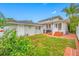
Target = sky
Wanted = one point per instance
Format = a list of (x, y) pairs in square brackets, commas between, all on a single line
[(33, 11)]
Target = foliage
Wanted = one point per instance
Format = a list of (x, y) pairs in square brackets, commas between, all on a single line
[(72, 12), (11, 45), (74, 22), (1, 21), (37, 45)]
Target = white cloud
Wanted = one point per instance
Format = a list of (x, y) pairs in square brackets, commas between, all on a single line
[(54, 12)]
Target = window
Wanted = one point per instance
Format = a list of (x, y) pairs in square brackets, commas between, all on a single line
[(49, 25), (36, 28), (46, 25), (56, 25), (39, 27), (29, 27), (43, 31), (59, 26)]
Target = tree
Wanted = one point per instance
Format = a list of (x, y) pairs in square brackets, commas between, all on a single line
[(72, 12), (2, 20)]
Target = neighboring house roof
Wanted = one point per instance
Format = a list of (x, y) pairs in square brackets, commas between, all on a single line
[(10, 20)]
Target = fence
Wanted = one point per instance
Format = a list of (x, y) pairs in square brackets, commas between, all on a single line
[(77, 31)]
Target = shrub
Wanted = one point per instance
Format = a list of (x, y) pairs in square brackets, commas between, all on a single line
[(12, 45)]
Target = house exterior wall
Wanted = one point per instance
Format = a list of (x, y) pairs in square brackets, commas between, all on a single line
[(10, 27), (27, 30), (20, 30), (64, 28), (38, 31), (55, 29)]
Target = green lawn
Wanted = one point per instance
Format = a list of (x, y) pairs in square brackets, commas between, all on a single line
[(47, 46)]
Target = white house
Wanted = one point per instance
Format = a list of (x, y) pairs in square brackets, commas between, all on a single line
[(50, 25), (54, 24)]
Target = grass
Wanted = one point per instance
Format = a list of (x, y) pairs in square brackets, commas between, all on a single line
[(47, 46)]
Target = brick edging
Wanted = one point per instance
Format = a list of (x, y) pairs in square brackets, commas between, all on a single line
[(69, 51)]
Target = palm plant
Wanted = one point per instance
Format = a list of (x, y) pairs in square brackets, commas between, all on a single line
[(72, 12)]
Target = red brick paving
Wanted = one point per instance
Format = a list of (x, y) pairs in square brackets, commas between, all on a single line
[(69, 52), (70, 36), (77, 52), (58, 34), (77, 47)]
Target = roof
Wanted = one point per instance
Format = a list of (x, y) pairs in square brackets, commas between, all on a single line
[(10, 20), (25, 22), (29, 22), (51, 18)]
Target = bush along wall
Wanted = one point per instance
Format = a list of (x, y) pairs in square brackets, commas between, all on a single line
[(12, 45)]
